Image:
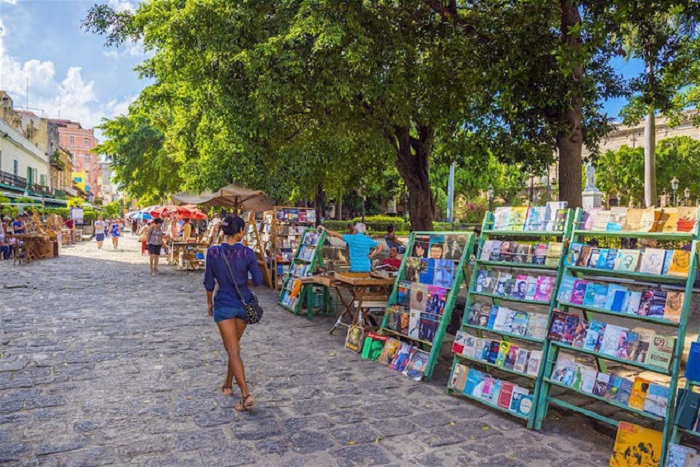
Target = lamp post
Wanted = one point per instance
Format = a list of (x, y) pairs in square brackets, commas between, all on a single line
[(686, 193), (674, 185), (490, 195)]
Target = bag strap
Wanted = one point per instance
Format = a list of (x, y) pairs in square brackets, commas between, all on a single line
[(231, 276)]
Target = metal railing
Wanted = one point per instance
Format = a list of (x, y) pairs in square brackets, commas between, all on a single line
[(21, 182)]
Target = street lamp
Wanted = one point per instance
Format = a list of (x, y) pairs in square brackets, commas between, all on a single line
[(674, 185), (686, 193), (490, 195)]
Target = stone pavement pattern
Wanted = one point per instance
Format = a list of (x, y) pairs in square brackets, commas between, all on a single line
[(102, 364)]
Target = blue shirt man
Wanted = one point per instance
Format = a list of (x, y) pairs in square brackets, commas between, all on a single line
[(360, 247)]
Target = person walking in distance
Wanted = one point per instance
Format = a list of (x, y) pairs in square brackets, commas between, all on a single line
[(115, 234), (154, 234), (100, 227), (228, 262)]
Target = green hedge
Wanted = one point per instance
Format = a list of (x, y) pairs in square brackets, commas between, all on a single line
[(380, 223)]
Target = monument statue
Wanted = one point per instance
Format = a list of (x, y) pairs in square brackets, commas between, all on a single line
[(590, 178)]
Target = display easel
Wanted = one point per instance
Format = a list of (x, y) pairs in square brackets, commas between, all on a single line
[(302, 266), (677, 330), (435, 345), (253, 239), (288, 225), (538, 307)]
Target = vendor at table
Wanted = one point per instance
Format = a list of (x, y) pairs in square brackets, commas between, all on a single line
[(360, 247), (186, 230)]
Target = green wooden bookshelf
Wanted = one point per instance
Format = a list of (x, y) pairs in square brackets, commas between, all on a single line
[(473, 297), (291, 280), (467, 246), (678, 330)]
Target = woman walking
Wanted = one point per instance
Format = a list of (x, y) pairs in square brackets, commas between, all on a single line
[(115, 235), (228, 262), (154, 234)]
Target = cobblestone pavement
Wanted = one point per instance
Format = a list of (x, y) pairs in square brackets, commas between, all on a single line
[(102, 364)]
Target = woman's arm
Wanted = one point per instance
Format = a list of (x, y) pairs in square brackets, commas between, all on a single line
[(254, 268)]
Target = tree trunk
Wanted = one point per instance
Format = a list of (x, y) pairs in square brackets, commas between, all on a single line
[(413, 164), (570, 140), (319, 204), (650, 160)]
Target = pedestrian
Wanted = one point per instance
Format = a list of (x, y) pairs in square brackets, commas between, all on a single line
[(100, 227), (18, 225), (154, 236), (186, 230), (115, 235), (228, 262)]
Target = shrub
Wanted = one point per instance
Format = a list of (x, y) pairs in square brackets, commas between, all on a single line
[(380, 223)]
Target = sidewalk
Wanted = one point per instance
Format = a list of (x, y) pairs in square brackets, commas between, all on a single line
[(102, 364)]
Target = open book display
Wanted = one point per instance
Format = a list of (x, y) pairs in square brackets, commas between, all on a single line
[(256, 239), (303, 264), (499, 349), (288, 226), (421, 303)]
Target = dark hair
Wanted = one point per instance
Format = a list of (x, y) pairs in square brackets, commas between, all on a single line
[(231, 225), (390, 228), (158, 221)]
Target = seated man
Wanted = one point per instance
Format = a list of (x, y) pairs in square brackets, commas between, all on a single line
[(392, 263), (392, 241), (360, 247)]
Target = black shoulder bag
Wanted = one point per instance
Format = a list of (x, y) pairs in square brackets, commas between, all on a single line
[(253, 310)]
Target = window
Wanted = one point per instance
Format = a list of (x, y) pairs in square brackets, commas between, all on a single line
[(87, 142), (87, 159), (72, 141), (42, 180), (15, 167), (30, 176)]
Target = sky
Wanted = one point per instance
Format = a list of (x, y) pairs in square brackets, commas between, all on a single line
[(69, 72)]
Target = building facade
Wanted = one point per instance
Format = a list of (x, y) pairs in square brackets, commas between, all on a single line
[(79, 142)]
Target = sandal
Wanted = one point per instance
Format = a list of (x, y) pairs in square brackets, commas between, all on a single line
[(227, 390), (242, 406)]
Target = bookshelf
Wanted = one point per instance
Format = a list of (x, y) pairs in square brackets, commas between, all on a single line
[(678, 431), (423, 287), (254, 240), (303, 264), (288, 225), (653, 342), (519, 253)]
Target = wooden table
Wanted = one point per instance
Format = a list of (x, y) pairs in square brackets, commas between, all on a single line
[(180, 255), (367, 292), (29, 246)]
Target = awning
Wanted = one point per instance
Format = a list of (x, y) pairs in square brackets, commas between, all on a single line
[(70, 191), (232, 195)]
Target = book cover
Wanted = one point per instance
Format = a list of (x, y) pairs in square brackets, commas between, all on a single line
[(540, 253), (417, 362), (618, 301), (661, 351), (537, 325), (556, 329), (645, 303), (634, 217), (601, 384), (680, 263), (612, 289), (602, 259), (520, 290), (610, 259), (511, 357), (612, 338), (492, 356), (687, 216), (589, 296), (687, 412), (652, 261), (437, 298), (564, 370), (502, 354), (578, 338), (658, 303), (490, 282), (454, 247), (636, 445), (644, 342), (373, 346), (677, 455), (566, 288), (593, 260), (533, 362), (459, 377), (428, 326), (390, 347), (601, 294), (503, 289), (504, 320), (692, 367), (516, 220), (588, 378), (531, 288), (656, 401), (674, 305), (491, 390), (573, 255), (420, 247), (444, 273), (570, 325), (560, 220), (414, 266), (640, 388), (579, 292), (587, 219), (496, 251), (554, 251), (633, 300), (485, 349), (668, 257), (600, 220), (521, 359), (403, 296), (504, 398), (354, 338), (414, 324), (625, 391), (436, 246), (401, 357), (617, 219), (536, 218), (522, 254), (669, 219), (521, 401), (475, 383), (427, 272), (482, 316), (501, 218), (419, 297), (519, 323), (493, 315), (545, 287), (594, 336), (613, 389), (628, 346), (470, 346), (480, 283), (649, 219), (627, 260)]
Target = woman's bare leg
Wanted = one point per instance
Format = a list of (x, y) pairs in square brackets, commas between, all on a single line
[(228, 382), (230, 330)]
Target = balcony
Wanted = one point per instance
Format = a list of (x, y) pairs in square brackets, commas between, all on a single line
[(20, 183)]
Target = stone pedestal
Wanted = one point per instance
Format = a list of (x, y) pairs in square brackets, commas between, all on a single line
[(592, 199)]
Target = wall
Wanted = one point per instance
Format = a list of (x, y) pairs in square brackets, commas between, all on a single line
[(13, 145)]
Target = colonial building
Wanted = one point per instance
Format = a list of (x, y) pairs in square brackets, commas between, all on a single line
[(61, 164), (79, 142)]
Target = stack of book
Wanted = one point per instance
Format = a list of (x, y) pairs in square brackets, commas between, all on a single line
[(491, 391), (636, 345), (546, 254), (652, 303), (654, 261), (499, 353), (502, 319), (640, 393), (520, 286), (681, 219), (400, 356), (549, 218)]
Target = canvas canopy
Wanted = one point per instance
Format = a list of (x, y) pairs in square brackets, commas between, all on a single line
[(232, 196)]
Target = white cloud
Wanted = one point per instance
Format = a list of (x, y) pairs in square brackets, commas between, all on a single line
[(121, 5), (11, 2), (130, 49)]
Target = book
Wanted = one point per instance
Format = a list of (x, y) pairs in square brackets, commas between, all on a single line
[(492, 355), (649, 219), (521, 361), (519, 323), (414, 324), (491, 390), (417, 362), (504, 398), (560, 220), (556, 329), (554, 252), (520, 290), (634, 217), (668, 257), (535, 218), (459, 377), (516, 220), (522, 253), (533, 363), (401, 357), (501, 218), (612, 338), (390, 347), (588, 378), (471, 346), (486, 249), (504, 320), (403, 295), (428, 326), (687, 216), (511, 357), (537, 325), (579, 292), (496, 251), (627, 346), (459, 342), (674, 305), (636, 445), (545, 287), (593, 259), (625, 391), (373, 346), (354, 338), (493, 315), (633, 300), (475, 383), (610, 259), (680, 263), (640, 388), (427, 271), (419, 297), (601, 384), (617, 219), (437, 299), (573, 254), (687, 412), (652, 261), (444, 273), (587, 219), (627, 260), (661, 351), (420, 247), (601, 294), (589, 296), (645, 303), (676, 455), (578, 338), (658, 303), (539, 255), (615, 298), (570, 326), (644, 342), (594, 336), (531, 288), (692, 367), (602, 258), (521, 401), (564, 370), (566, 288), (656, 401), (502, 354), (613, 388)]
